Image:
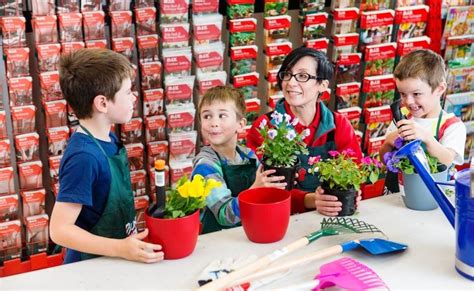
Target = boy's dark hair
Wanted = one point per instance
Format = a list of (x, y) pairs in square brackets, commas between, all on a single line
[(224, 94), (87, 73), (324, 68), (422, 64)]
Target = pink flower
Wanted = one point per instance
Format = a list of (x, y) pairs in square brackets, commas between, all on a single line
[(333, 153), (367, 160), (313, 160), (348, 152)]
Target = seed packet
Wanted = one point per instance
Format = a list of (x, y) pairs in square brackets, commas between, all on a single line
[(67, 6), (70, 27), (8, 208), (459, 47), (247, 84), (180, 118), (410, 22), (320, 44), (275, 55), (157, 150), (177, 62), (17, 62), (242, 32), (50, 88), (94, 25), (348, 67), (27, 147), (151, 75), (121, 23), (48, 56), (153, 102), (175, 11), (377, 120), (97, 43), (13, 32), (353, 115), (243, 60), (178, 169), (90, 5), (155, 128), (342, 4), (144, 3), (182, 146), (200, 7), (4, 153), (141, 205), (314, 26), (37, 234), (57, 140), (376, 27), (378, 91), (344, 44), (31, 175), (54, 163), (69, 47), (119, 5), (10, 237), (405, 46), (311, 7), (276, 29), (179, 90), (174, 35), (43, 7), (135, 156), (20, 91), (145, 21), (237, 9), (45, 29), (23, 119), (205, 81), (379, 59), (33, 202), (209, 58), (377, 5), (132, 131), (3, 124), (147, 48), (347, 95), (345, 20), (124, 46), (138, 182), (275, 8), (252, 107), (207, 29)]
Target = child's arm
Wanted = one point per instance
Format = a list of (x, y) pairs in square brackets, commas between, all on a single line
[(263, 179), (388, 144), (410, 130), (64, 232)]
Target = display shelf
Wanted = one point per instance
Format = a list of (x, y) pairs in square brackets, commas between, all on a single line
[(36, 262)]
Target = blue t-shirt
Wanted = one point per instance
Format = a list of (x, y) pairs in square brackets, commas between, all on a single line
[(84, 178)]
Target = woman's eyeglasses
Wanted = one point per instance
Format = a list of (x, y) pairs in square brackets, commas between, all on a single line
[(299, 77)]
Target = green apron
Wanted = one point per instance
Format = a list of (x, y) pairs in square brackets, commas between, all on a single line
[(237, 178), (438, 124), (118, 219), (311, 181)]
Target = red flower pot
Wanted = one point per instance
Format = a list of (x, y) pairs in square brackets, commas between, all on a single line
[(177, 236), (265, 213)]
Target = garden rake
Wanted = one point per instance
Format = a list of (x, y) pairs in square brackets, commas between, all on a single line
[(329, 227)]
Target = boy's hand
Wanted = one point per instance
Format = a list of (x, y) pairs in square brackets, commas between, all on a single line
[(328, 204), (133, 248), (263, 179), (410, 130)]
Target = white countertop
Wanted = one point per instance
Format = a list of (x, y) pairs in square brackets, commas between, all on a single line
[(428, 263)]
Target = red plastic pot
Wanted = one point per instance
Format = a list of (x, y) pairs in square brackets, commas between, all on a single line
[(177, 236), (265, 213)]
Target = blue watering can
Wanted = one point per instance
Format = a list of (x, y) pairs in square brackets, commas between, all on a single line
[(463, 218)]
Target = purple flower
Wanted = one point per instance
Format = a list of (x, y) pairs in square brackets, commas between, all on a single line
[(391, 162), (391, 167), (263, 124), (287, 118), (295, 121), (333, 153), (305, 133), (290, 135), (388, 156), (272, 133), (398, 143), (277, 118)]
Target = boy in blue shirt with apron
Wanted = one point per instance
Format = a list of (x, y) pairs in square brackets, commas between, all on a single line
[(94, 213)]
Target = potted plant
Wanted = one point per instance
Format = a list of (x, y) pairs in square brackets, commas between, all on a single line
[(178, 230), (341, 176), (281, 146), (415, 193)]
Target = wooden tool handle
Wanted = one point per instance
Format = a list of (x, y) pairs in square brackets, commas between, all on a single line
[(238, 274), (328, 252)]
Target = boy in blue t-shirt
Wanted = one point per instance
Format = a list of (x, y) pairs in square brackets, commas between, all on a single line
[(94, 212)]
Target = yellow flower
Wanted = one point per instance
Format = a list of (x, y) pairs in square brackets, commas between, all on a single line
[(196, 189), (211, 184), (183, 190)]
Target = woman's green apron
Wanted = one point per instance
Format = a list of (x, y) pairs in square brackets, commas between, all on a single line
[(118, 219)]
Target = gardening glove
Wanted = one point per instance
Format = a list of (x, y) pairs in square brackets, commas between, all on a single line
[(219, 268)]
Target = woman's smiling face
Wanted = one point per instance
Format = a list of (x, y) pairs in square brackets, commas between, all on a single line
[(303, 93)]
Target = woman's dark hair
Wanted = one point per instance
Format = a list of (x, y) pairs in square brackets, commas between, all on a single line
[(324, 68)]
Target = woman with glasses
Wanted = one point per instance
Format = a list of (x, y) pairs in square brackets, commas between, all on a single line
[(304, 75)]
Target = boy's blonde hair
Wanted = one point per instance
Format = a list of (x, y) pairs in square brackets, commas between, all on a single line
[(87, 73), (422, 64), (224, 94)]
